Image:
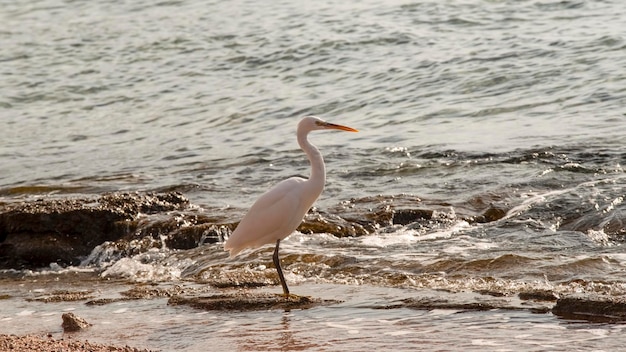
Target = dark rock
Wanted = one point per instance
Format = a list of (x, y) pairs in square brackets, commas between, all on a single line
[(538, 295), (245, 301), (615, 225), (73, 323), (492, 293), (315, 222), (62, 231), (493, 214), (193, 236), (183, 230), (409, 216), (430, 303), (597, 309), (371, 213)]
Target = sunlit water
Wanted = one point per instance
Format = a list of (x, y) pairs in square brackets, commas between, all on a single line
[(459, 103)]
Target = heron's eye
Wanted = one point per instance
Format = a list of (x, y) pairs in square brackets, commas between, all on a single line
[(320, 123)]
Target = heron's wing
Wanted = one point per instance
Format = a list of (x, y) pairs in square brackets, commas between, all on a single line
[(275, 215)]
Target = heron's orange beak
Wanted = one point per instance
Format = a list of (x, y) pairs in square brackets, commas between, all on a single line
[(339, 127)]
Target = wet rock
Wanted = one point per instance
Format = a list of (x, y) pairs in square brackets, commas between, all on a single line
[(493, 213), (217, 277), (362, 216), (246, 301), (315, 222), (183, 230), (538, 295), (409, 216), (597, 309), (63, 232), (149, 203), (38, 233), (615, 225), (73, 323), (492, 293), (372, 213), (149, 292), (429, 304), (380, 211), (63, 296), (104, 301)]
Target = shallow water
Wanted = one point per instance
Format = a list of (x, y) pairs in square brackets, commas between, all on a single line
[(461, 105), (364, 320)]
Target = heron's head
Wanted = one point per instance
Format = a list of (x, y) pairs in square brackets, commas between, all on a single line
[(312, 123)]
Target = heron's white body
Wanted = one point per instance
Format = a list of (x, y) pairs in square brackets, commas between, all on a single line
[(279, 211), (270, 221)]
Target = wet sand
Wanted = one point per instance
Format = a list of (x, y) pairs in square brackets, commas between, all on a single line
[(49, 344)]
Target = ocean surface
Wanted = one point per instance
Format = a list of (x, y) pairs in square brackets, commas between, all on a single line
[(461, 105)]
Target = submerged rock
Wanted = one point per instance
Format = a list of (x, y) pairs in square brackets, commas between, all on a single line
[(150, 292), (73, 323), (539, 295), (598, 308), (246, 301), (429, 304), (63, 296), (137, 293)]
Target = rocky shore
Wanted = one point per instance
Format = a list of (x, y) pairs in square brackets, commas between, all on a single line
[(48, 344), (36, 234)]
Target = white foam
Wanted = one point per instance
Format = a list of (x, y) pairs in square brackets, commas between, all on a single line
[(599, 236), (151, 266), (386, 240), (617, 201), (349, 329), (25, 313), (399, 333), (485, 342)]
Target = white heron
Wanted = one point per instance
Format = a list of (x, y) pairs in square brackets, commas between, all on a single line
[(279, 211)]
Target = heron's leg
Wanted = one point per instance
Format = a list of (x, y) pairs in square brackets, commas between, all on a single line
[(280, 270)]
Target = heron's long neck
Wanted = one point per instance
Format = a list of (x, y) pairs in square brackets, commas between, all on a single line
[(318, 170)]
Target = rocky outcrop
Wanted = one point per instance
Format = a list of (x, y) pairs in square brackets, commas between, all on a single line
[(247, 301), (73, 323), (35, 234), (592, 308), (64, 231)]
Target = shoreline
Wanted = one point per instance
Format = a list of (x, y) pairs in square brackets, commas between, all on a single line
[(47, 343)]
